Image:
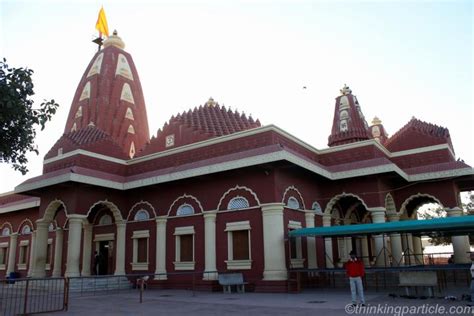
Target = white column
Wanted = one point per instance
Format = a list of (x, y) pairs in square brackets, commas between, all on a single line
[(409, 250), (12, 253), (364, 246), (58, 252), (418, 250), (461, 245), (378, 216), (87, 250), (74, 245), (328, 243), (32, 254), (161, 249), (210, 246), (39, 264), (120, 250), (395, 242), (311, 241), (273, 242)]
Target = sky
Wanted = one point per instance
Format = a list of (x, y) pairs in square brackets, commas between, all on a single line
[(400, 58)]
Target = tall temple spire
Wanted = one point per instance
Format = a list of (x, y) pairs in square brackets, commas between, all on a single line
[(349, 123), (109, 97)]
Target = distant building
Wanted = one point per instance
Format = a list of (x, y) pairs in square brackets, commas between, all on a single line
[(213, 190)]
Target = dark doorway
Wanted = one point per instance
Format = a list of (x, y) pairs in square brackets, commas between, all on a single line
[(105, 257)]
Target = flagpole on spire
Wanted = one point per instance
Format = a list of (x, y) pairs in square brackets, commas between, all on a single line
[(101, 26)]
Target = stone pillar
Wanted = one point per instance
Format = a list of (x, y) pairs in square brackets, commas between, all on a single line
[(409, 250), (273, 242), (210, 246), (311, 241), (328, 243), (461, 245), (418, 250), (161, 249), (39, 262), (32, 254), (364, 246), (74, 245), (58, 252), (12, 253), (120, 250), (87, 250), (396, 243), (347, 242), (378, 216)]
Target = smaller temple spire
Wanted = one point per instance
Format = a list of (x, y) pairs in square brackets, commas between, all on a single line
[(349, 123), (377, 131)]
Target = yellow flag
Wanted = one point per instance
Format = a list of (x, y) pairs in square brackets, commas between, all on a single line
[(101, 24)]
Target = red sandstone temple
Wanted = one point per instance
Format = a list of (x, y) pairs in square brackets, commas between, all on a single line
[(215, 191)]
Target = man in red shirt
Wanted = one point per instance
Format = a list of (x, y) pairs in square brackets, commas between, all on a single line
[(355, 271)]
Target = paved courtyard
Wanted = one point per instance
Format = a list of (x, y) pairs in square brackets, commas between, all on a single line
[(310, 302)]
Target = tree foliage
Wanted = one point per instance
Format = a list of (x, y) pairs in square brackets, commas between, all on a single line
[(18, 117), (436, 212)]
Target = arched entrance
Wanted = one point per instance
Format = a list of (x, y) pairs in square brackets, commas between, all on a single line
[(345, 209), (104, 240)]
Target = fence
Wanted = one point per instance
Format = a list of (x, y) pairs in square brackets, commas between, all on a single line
[(32, 296)]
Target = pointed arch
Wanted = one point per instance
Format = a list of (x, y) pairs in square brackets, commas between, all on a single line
[(112, 207), (351, 209), (26, 221), (236, 188), (415, 196), (292, 187), (334, 200), (51, 209), (6, 225), (185, 198), (141, 205)]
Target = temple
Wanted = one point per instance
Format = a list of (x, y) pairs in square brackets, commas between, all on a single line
[(214, 191)]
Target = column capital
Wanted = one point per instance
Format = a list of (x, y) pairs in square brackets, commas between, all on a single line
[(393, 217), (121, 223), (378, 214), (309, 214), (327, 219), (14, 235), (161, 220), (41, 223), (210, 214), (454, 212), (76, 218), (276, 208)]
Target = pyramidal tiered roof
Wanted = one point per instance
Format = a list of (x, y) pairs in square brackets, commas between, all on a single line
[(417, 133), (203, 122)]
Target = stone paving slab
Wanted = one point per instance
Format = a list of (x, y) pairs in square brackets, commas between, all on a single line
[(321, 302)]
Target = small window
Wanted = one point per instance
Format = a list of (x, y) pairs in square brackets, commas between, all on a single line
[(142, 250), (141, 215), (185, 209), (240, 245), (26, 230), (3, 256), (6, 231), (293, 203), (141, 240), (23, 254), (184, 256), (317, 208), (238, 203), (48, 253), (105, 220), (186, 248)]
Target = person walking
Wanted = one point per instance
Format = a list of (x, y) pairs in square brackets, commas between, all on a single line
[(355, 271), (472, 279)]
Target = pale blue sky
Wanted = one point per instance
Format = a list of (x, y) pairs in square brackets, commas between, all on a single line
[(401, 59)]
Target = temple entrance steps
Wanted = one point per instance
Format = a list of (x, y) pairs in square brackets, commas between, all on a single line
[(95, 284)]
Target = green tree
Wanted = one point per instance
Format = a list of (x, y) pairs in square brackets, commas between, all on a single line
[(18, 117), (437, 211)]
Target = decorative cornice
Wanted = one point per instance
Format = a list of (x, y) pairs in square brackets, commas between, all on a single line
[(241, 163), (19, 206)]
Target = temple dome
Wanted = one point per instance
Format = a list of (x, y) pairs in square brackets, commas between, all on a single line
[(204, 122), (109, 96), (349, 123), (377, 131)]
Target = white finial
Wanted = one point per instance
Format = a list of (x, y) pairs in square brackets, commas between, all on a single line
[(114, 40)]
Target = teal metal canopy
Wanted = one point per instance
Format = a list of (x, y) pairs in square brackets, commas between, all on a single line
[(447, 226)]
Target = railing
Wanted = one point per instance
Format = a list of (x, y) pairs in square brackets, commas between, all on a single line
[(32, 296)]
